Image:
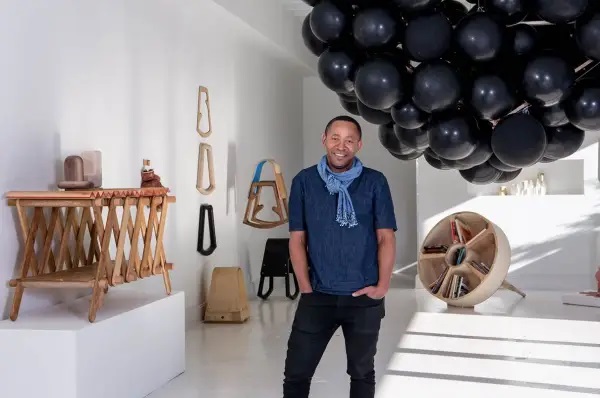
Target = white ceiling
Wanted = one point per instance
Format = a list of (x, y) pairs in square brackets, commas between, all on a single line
[(299, 8), (296, 7)]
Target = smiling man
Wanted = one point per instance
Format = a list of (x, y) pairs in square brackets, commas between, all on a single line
[(342, 247)]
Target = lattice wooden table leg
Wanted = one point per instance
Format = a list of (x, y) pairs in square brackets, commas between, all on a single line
[(18, 295), (159, 247), (97, 299)]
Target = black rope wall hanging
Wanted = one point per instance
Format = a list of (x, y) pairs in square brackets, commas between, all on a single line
[(204, 209)]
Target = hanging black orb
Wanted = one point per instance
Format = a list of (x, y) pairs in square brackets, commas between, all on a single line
[(336, 69), (560, 11), (374, 28), (519, 140), (453, 135), (411, 156), (547, 79), (311, 41), (408, 116), (427, 37), (416, 138), (563, 141), (550, 116), (329, 21), (350, 106), (508, 176), (582, 106), (434, 161), (387, 138), (479, 37), (378, 84), (416, 5), (481, 174), (373, 116), (494, 161), (587, 36), (436, 86), (509, 11), (524, 39), (491, 97)]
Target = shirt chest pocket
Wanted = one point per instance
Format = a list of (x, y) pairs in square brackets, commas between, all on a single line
[(363, 205)]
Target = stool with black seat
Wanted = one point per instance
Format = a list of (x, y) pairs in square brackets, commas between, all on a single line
[(277, 264)]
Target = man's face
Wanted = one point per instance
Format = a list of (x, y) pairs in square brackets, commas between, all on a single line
[(341, 143)]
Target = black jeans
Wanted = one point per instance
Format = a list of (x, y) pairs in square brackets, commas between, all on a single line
[(317, 318)]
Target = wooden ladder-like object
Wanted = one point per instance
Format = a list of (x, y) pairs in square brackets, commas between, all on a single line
[(254, 206)]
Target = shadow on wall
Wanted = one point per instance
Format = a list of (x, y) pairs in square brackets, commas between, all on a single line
[(551, 260)]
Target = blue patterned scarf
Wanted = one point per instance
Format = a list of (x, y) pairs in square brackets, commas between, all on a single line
[(339, 183)]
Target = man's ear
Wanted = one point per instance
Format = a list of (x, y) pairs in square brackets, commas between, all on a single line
[(323, 137), (360, 144)]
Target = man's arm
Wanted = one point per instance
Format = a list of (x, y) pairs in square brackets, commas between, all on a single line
[(385, 227), (299, 260), (386, 242), (297, 226)]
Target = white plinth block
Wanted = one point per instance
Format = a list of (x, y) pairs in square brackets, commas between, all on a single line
[(136, 345)]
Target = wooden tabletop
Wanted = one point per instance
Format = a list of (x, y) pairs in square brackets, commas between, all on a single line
[(94, 193)]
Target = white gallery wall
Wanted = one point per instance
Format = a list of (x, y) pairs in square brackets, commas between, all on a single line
[(554, 238), (320, 106), (122, 78)]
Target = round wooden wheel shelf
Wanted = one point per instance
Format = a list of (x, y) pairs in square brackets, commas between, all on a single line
[(464, 260)]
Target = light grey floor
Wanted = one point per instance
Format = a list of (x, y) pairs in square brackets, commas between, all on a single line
[(507, 346)]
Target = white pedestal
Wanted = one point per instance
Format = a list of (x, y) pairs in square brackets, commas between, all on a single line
[(136, 345)]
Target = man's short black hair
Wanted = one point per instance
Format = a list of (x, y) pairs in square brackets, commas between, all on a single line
[(344, 118)]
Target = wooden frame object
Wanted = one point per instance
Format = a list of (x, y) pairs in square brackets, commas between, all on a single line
[(199, 115), (205, 154), (204, 210), (483, 253), (77, 232), (253, 206), (227, 297)]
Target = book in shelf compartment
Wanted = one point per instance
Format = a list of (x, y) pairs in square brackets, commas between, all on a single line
[(457, 287), (461, 232), (434, 249), (435, 285), (481, 267)]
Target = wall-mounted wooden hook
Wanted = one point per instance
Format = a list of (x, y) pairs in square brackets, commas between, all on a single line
[(205, 154), (208, 132)]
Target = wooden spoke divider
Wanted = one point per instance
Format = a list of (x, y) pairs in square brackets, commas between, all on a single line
[(83, 243), (254, 205)]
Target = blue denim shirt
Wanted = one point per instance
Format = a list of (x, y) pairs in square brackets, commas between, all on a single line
[(342, 260)]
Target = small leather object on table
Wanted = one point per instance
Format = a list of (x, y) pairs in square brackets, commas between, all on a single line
[(73, 174)]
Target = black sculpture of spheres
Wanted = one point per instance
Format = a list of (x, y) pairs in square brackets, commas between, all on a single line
[(482, 87)]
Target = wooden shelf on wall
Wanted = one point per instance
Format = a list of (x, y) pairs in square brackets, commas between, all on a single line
[(464, 260)]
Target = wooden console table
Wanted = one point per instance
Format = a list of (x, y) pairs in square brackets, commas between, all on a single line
[(90, 238)]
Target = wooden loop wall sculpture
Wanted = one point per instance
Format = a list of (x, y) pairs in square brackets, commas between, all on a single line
[(254, 205), (77, 232), (205, 154), (204, 209), (464, 260), (199, 116)]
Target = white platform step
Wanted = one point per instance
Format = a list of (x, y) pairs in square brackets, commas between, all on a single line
[(136, 345)]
